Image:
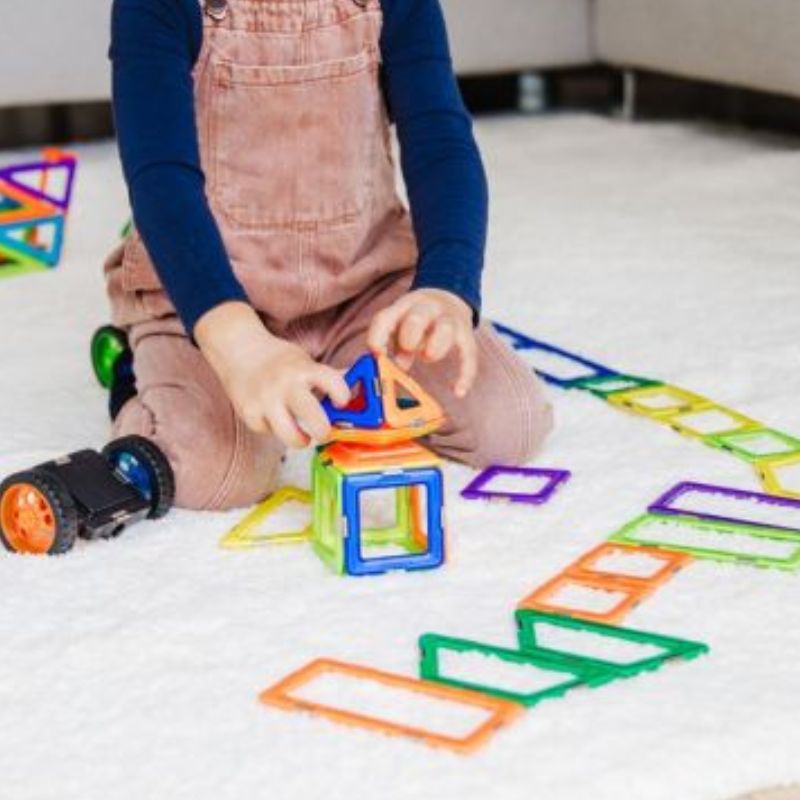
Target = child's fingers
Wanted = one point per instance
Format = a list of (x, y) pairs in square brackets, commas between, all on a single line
[(384, 324), (440, 340), (468, 350), (309, 415), (286, 429), (256, 422), (332, 384), (414, 326)]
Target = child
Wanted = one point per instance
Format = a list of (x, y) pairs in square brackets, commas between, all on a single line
[(271, 248)]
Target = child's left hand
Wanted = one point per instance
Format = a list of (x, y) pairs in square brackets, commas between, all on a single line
[(428, 324)]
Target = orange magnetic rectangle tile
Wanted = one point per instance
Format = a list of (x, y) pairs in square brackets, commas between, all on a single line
[(587, 566), (499, 712), (632, 595), (354, 457)]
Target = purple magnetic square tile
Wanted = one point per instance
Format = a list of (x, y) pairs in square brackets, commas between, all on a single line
[(479, 489), (675, 503)]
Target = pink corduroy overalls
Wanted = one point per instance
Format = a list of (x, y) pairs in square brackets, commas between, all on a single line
[(296, 147)]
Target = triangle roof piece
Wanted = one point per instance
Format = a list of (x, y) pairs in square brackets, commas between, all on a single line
[(249, 533), (48, 254), (414, 408), (14, 263), (16, 205), (54, 161), (366, 408)]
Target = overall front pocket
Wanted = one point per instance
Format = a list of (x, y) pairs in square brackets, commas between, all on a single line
[(292, 146)]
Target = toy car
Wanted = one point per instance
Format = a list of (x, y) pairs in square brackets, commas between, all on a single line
[(88, 494)]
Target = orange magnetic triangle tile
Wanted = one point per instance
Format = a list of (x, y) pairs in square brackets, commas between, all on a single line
[(425, 409), (23, 207)]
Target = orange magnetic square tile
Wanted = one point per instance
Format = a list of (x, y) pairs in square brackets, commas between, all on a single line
[(498, 712), (630, 595), (351, 457), (382, 437), (587, 566)]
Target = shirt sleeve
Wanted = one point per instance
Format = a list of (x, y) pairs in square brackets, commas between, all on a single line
[(154, 45), (440, 159)]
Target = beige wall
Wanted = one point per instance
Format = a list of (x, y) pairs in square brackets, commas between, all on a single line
[(506, 35), (749, 43), (55, 50)]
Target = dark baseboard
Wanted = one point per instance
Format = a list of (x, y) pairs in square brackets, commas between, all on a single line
[(598, 89), (30, 126), (665, 97)]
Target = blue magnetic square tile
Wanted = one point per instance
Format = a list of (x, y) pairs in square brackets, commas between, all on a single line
[(356, 563)]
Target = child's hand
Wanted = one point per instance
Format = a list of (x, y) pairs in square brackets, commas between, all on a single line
[(273, 384), (429, 324)]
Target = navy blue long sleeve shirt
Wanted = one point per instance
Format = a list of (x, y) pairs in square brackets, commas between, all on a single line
[(155, 44)]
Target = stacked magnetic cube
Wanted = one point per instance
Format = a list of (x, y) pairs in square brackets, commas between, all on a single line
[(34, 201), (374, 453)]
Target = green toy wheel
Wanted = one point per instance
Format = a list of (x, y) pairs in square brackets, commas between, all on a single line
[(108, 344)]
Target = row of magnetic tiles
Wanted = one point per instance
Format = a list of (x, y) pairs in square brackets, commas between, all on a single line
[(692, 521), (775, 455)]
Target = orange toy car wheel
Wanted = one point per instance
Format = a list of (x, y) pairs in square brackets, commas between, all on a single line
[(37, 515)]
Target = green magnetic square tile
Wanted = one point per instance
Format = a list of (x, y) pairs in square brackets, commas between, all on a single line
[(757, 445), (605, 385)]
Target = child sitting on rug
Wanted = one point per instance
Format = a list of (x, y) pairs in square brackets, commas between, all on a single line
[(271, 248)]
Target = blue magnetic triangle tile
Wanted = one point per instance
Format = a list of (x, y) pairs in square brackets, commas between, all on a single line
[(366, 410), (50, 255)]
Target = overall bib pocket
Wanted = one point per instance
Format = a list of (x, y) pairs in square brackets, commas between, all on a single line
[(291, 145)]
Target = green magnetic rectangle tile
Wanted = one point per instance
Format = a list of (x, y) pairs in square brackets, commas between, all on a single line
[(670, 647), (666, 531), (567, 674)]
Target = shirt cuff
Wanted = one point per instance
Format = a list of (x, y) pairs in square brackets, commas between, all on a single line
[(453, 268)]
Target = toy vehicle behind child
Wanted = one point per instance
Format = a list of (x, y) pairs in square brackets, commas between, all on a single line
[(88, 494)]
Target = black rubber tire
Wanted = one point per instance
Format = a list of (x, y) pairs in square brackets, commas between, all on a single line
[(67, 521), (161, 474)]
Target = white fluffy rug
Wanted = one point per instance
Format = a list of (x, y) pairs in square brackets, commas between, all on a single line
[(130, 669)]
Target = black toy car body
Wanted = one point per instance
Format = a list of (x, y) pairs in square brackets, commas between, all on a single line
[(88, 494)]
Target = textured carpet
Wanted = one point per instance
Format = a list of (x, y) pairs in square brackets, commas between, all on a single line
[(130, 669)]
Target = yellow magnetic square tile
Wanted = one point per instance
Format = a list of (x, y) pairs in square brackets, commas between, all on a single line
[(781, 476), (659, 402), (711, 420)]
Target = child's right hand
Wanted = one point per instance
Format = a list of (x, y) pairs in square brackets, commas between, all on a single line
[(274, 385)]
